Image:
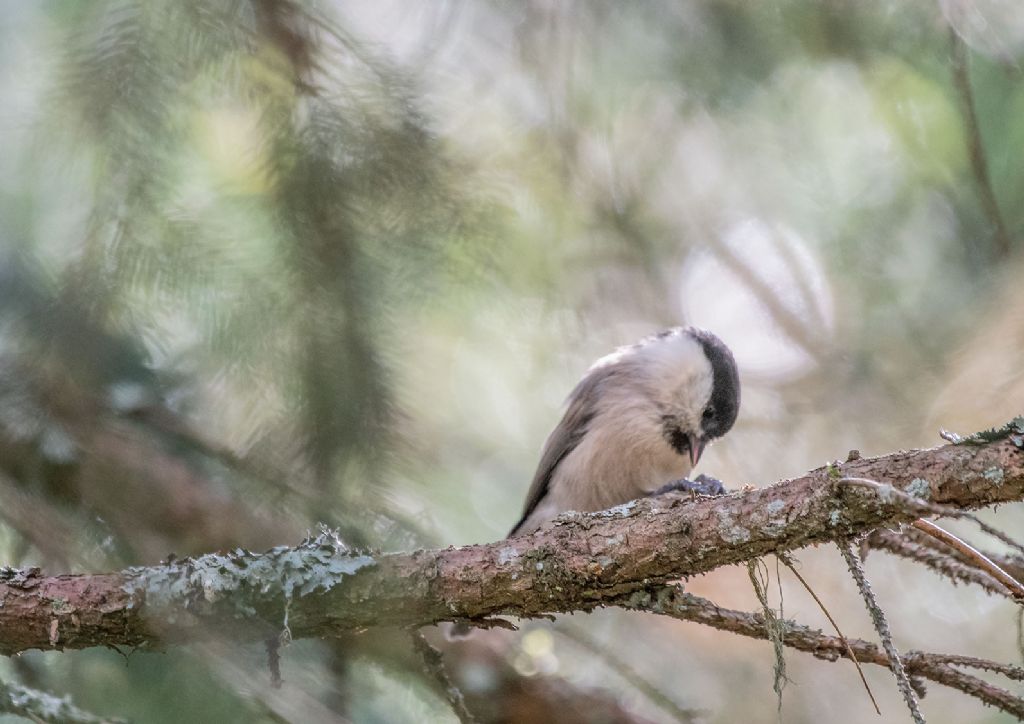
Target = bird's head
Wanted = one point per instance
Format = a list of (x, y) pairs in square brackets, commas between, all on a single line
[(691, 376)]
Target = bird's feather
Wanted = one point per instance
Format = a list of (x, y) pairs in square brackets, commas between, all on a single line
[(566, 436)]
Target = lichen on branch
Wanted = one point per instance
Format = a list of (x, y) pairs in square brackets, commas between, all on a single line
[(579, 562)]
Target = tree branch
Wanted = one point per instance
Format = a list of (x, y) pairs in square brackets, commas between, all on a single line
[(853, 562), (672, 601), (976, 557), (433, 661), (916, 547), (580, 562)]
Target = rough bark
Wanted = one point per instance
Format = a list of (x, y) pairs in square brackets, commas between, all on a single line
[(578, 563)]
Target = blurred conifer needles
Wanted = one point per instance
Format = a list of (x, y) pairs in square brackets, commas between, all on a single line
[(263, 218), (265, 195), (209, 369)]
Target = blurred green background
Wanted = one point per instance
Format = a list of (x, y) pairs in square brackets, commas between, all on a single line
[(266, 264)]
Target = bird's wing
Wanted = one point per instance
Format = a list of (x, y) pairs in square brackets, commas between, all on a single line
[(565, 437)]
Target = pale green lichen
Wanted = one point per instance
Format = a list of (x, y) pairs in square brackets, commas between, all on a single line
[(19, 577), (886, 493), (644, 601), (994, 474), (318, 564), (1014, 430), (729, 530), (775, 524), (618, 511), (43, 707), (507, 555), (919, 488)]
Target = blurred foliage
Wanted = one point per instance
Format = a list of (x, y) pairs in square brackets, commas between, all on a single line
[(270, 263)]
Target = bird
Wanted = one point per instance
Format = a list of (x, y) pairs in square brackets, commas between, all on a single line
[(636, 424)]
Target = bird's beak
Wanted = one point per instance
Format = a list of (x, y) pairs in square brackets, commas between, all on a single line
[(696, 449)]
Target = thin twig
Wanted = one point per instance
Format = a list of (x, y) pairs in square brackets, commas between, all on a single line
[(629, 674), (975, 147), (1016, 673), (1012, 564), (997, 534), (939, 561), (882, 627), (433, 662), (672, 600), (887, 491), (849, 651), (961, 555), (977, 557), (1020, 633), (973, 686)]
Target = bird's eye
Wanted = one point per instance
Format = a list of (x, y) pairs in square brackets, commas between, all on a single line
[(709, 413)]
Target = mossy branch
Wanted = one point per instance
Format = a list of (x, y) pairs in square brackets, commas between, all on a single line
[(578, 563)]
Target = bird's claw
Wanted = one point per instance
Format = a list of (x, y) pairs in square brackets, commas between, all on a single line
[(702, 485)]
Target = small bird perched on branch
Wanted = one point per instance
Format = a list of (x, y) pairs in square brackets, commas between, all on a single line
[(636, 425)]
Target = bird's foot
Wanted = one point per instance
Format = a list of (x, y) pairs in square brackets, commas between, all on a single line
[(702, 485)]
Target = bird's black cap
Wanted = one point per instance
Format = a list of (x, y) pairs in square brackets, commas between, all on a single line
[(724, 404)]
